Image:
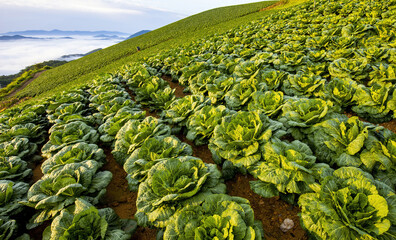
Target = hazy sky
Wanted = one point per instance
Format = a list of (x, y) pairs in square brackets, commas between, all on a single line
[(127, 16)]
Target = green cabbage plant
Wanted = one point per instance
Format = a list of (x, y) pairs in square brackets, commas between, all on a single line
[(214, 216), (62, 135), (289, 61), (372, 103), (299, 114), (355, 69), (201, 124), (152, 151), (59, 189), (180, 109), (239, 136), (64, 111), (219, 87), (380, 157), (349, 205), (13, 168), (31, 131), (241, 93), (169, 183), (342, 92), (87, 222), (287, 168), (20, 147), (269, 102), (10, 195), (134, 133), (301, 84), (66, 97), (75, 153), (272, 79), (113, 124), (101, 98), (108, 109), (340, 142), (383, 73)]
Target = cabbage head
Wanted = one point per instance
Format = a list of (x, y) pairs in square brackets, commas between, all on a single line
[(342, 92), (180, 109), (59, 189), (66, 111), (302, 84), (340, 142), (355, 69), (65, 97), (20, 147), (201, 124), (288, 168), (13, 168), (372, 103), (239, 136), (75, 153), (299, 114), (169, 183), (241, 93), (103, 97), (134, 133), (113, 124), (214, 216), (31, 131), (10, 195), (152, 151), (87, 222), (62, 135), (349, 205), (269, 102)]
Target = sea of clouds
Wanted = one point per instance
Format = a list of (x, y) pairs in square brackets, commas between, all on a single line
[(18, 54)]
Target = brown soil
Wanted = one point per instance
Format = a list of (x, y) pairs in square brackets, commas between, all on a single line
[(280, 3), (270, 211), (178, 88), (37, 173), (201, 152), (120, 199), (37, 232)]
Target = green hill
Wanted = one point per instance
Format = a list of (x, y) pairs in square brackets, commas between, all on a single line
[(110, 59)]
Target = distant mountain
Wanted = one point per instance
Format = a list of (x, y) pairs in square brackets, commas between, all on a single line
[(20, 37), (108, 37), (15, 37), (63, 33), (138, 33), (70, 57)]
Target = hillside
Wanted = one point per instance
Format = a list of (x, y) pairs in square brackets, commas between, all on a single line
[(172, 35), (283, 127)]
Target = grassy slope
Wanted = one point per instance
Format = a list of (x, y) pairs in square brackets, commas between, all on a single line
[(110, 59)]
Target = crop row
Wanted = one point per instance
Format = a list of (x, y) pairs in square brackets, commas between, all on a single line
[(269, 100)]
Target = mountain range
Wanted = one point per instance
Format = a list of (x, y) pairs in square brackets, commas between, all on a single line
[(63, 33)]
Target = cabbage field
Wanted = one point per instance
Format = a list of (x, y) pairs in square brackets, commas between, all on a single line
[(289, 109)]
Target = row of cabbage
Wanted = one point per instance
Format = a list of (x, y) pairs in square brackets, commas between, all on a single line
[(292, 150), (22, 131), (72, 182), (268, 102), (341, 51), (177, 193)]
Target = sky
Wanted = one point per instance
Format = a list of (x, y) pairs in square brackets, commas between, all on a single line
[(127, 16)]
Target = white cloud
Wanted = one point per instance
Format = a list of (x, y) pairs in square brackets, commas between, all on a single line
[(97, 6)]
